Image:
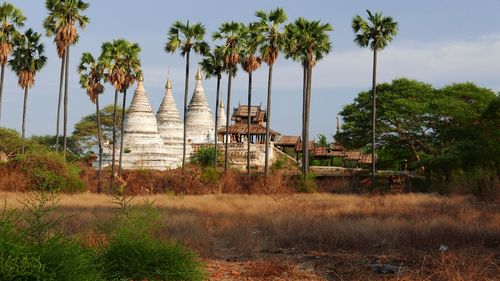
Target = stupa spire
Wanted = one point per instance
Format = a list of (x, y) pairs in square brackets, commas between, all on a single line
[(199, 120)]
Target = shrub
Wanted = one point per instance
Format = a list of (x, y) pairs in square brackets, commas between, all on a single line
[(209, 175), (135, 254), (35, 250), (47, 171), (308, 184), (205, 156)]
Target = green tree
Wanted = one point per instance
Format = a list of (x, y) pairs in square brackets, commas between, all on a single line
[(307, 42), (213, 65), (252, 39), (186, 37), (11, 18), (122, 67), (269, 25), (230, 32), (376, 33), (91, 74), (27, 59), (62, 21), (85, 132), (434, 129)]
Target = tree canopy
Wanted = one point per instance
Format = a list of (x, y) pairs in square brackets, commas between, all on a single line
[(448, 126)]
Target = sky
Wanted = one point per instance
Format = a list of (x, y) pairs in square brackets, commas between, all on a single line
[(439, 42)]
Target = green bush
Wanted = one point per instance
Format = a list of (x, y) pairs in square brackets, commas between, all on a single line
[(308, 184), (205, 156), (47, 171), (33, 249), (209, 175), (134, 253)]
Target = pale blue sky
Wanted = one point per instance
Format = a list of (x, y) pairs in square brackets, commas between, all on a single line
[(439, 42)]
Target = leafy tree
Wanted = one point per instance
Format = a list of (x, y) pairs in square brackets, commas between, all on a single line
[(434, 129), (85, 132), (27, 59), (252, 39), (62, 21), (269, 25), (186, 37), (322, 141), (91, 74), (11, 18), (213, 65), (376, 33), (231, 33)]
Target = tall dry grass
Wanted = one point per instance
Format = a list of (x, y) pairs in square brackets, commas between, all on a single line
[(252, 226)]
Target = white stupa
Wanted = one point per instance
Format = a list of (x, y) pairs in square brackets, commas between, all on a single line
[(170, 127), (199, 119), (221, 115), (143, 147)]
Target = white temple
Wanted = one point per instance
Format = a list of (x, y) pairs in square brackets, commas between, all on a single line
[(155, 142), (199, 120), (170, 127), (143, 146)]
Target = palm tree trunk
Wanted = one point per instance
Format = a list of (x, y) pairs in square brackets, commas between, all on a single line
[(1, 89), (61, 84), (268, 115), (186, 84), (122, 134), (304, 104), (248, 121), (23, 130), (306, 119), (228, 106), (99, 143), (66, 75), (112, 183), (374, 106), (216, 119)]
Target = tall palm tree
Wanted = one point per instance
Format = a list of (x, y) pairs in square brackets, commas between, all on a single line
[(62, 21), (11, 18), (27, 59), (186, 37), (231, 34), (91, 74), (307, 42), (252, 39), (269, 25), (120, 60), (375, 33), (213, 65)]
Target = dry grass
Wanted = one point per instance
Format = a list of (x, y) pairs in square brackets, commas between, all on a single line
[(408, 228)]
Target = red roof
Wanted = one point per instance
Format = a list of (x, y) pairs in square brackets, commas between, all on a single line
[(286, 140), (242, 129)]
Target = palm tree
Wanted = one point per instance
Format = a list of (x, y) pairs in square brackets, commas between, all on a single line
[(120, 60), (213, 65), (269, 25), (27, 59), (250, 62), (91, 74), (62, 21), (11, 18), (376, 33), (231, 34), (307, 42), (186, 37)]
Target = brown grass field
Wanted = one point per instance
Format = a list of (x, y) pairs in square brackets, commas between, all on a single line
[(315, 236)]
